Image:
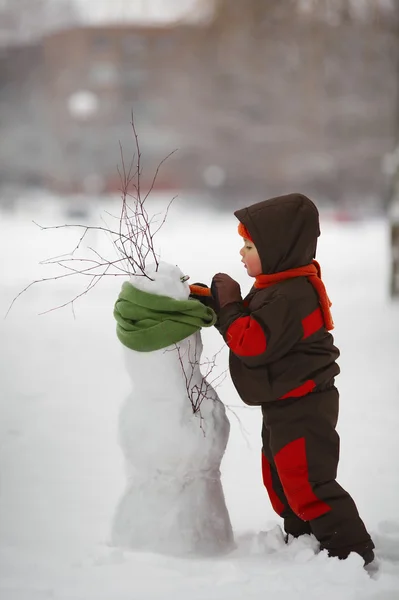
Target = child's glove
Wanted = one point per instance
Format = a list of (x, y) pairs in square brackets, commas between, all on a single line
[(225, 290), (201, 292)]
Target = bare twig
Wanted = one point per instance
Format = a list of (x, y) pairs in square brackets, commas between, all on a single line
[(206, 390), (132, 239), (198, 394)]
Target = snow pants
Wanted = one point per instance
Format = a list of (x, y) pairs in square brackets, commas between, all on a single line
[(299, 466)]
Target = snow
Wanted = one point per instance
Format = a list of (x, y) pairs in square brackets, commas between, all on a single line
[(83, 104), (169, 281), (63, 382)]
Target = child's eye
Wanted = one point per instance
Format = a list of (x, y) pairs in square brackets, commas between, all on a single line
[(248, 247)]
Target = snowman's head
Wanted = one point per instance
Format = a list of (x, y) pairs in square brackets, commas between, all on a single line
[(166, 280)]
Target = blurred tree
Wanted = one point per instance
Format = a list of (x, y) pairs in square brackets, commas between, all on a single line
[(233, 15), (292, 92), (23, 21)]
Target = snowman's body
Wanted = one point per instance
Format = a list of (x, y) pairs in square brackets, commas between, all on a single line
[(174, 500)]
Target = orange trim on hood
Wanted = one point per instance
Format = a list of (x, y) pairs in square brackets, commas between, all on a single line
[(243, 232)]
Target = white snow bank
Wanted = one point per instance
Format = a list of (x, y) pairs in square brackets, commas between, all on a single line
[(61, 472)]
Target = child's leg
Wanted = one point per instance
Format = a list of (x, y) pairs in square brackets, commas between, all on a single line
[(293, 525), (305, 448)]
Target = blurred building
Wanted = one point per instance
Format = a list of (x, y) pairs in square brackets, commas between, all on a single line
[(24, 136), (95, 77), (297, 105)]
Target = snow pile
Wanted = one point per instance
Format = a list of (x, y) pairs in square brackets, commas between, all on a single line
[(61, 469)]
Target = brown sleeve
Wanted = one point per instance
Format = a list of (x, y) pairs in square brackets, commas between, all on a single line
[(261, 336)]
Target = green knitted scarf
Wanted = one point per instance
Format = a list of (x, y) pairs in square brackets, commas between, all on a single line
[(147, 322)]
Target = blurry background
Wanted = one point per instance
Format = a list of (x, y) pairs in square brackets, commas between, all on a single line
[(260, 97)]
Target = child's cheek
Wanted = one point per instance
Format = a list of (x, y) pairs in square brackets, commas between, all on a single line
[(254, 265)]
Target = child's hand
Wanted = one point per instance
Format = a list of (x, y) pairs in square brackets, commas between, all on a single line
[(225, 290)]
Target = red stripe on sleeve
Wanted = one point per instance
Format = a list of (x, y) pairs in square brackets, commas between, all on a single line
[(302, 390), (245, 337), (312, 323)]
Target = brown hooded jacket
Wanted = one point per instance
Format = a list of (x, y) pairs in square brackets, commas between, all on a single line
[(298, 355)]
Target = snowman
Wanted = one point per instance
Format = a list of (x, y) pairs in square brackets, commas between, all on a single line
[(173, 428)]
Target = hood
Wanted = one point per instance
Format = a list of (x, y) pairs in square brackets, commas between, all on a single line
[(284, 230)]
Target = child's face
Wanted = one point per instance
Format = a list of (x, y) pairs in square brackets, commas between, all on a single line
[(250, 258)]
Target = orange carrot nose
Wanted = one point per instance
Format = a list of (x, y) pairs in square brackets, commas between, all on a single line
[(198, 290)]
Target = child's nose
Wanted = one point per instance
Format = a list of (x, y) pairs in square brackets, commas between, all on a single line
[(242, 252)]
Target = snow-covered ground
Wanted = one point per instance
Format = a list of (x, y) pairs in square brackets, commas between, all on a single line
[(63, 382)]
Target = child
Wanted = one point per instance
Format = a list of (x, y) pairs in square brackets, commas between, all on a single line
[(282, 358)]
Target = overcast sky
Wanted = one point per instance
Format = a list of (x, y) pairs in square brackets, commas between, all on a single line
[(141, 10), (170, 10)]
